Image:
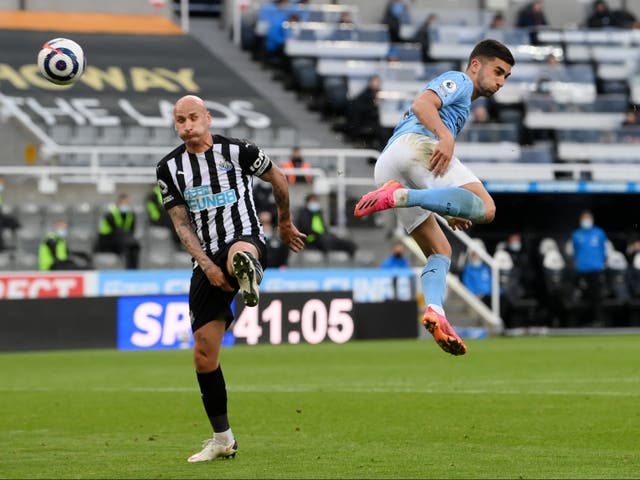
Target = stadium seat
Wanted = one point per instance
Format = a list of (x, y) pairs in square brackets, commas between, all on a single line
[(312, 259), (6, 261), (55, 211), (107, 261), (28, 238), (110, 136), (61, 133), (30, 214), (335, 95), (26, 261), (305, 75), (84, 135), (365, 258), (338, 259), (181, 259)]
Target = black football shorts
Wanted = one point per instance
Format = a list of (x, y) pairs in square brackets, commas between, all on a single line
[(207, 302)]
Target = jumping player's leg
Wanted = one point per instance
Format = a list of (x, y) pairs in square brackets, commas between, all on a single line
[(434, 244), (466, 201), (406, 181)]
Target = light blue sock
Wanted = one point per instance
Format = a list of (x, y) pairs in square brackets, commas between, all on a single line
[(455, 202), (434, 279)]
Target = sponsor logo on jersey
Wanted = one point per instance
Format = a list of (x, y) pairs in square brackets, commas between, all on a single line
[(202, 198)]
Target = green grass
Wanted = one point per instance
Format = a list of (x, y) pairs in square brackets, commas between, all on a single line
[(511, 408)]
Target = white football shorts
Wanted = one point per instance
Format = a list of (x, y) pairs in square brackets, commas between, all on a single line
[(406, 160)]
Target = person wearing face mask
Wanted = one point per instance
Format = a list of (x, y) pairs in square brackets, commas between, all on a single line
[(54, 254), (117, 232), (522, 265), (476, 276), (311, 221), (589, 254), (397, 258), (296, 161), (277, 251), (6, 221)]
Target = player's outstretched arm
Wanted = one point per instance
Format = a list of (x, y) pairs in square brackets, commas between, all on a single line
[(182, 223), (289, 234)]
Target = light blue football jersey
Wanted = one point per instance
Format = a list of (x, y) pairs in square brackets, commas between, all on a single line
[(454, 89)]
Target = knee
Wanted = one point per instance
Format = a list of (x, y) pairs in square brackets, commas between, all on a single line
[(490, 211), (442, 248), (204, 361)]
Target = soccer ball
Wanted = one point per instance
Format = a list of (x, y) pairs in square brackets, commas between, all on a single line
[(61, 61)]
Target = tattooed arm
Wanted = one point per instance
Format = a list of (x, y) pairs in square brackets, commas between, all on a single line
[(286, 229), (182, 223)]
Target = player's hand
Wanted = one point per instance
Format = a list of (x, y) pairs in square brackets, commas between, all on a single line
[(291, 236), (442, 154), (457, 223), (217, 278)]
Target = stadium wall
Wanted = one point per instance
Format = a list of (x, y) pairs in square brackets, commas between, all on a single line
[(142, 310)]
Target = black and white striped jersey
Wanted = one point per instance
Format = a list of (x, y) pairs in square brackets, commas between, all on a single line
[(216, 187)]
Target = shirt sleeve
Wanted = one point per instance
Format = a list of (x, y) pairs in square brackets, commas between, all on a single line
[(171, 196), (450, 87), (253, 160)]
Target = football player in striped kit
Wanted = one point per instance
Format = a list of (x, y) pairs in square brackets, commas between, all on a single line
[(206, 186)]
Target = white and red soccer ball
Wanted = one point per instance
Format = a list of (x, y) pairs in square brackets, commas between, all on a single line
[(61, 61)]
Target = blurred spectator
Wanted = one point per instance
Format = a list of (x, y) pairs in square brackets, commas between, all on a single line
[(275, 43), (117, 232), (632, 249), (497, 22), (476, 276), (392, 55), (395, 14), (263, 198), (397, 259), (54, 254), (157, 215), (311, 221), (480, 112), (532, 16), (7, 221), (631, 116), (590, 259), (423, 36), (600, 16), (345, 20), (296, 161), (277, 251), (624, 19), (523, 268), (363, 116)]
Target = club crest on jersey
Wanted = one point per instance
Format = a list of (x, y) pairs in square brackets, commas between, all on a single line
[(224, 164), (202, 198)]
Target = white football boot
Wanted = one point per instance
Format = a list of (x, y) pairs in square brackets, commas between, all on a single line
[(212, 450)]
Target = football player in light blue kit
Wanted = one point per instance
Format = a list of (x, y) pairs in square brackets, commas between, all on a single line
[(419, 174)]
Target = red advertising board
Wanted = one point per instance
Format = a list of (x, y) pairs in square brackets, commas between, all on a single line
[(42, 285)]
